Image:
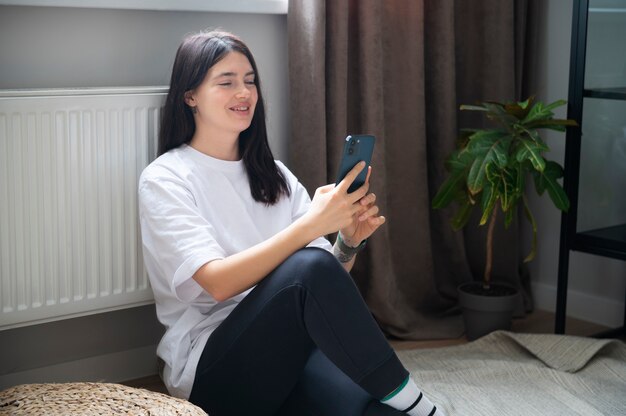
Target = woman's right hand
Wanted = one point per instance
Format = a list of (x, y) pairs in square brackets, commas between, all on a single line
[(332, 207)]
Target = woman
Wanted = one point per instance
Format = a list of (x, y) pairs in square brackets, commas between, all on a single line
[(260, 317)]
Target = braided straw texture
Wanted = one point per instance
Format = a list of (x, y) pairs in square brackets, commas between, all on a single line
[(90, 399)]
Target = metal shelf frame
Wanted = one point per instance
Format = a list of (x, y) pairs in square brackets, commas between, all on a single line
[(607, 242)]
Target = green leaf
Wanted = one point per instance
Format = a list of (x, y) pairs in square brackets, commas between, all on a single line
[(498, 113), (507, 188), (518, 110), (485, 136), (525, 104), (492, 173), (547, 180), (557, 103), (541, 146), (492, 145), (555, 123), (473, 107), (463, 139), (553, 170), (476, 176), (459, 160), (487, 149), (490, 196), (552, 124), (540, 183), (448, 190), (537, 112), (531, 151), (557, 194), (462, 215)]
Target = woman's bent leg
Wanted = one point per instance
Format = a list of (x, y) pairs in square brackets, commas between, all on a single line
[(324, 390), (254, 359)]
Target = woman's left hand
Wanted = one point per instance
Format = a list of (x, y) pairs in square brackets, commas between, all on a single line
[(365, 221)]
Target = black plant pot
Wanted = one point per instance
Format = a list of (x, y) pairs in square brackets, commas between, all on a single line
[(485, 311)]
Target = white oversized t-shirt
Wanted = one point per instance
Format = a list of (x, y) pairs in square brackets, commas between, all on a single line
[(194, 209)]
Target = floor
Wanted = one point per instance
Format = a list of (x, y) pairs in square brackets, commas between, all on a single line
[(536, 322)]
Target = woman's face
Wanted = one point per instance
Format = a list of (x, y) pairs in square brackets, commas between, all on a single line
[(227, 96)]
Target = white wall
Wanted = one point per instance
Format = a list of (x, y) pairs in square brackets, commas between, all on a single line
[(60, 47), (597, 284)]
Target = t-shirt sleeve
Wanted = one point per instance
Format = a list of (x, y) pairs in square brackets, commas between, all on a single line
[(177, 238)]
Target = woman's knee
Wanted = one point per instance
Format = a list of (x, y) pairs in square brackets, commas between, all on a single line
[(312, 264), (313, 257)]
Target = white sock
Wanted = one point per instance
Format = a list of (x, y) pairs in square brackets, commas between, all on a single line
[(409, 399)]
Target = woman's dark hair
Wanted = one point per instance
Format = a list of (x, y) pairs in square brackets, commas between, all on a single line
[(195, 56)]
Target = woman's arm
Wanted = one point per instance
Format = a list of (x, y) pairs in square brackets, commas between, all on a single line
[(332, 209), (234, 274)]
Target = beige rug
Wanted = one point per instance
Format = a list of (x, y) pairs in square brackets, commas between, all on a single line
[(507, 374)]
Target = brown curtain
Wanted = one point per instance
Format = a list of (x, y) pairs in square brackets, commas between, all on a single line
[(399, 69)]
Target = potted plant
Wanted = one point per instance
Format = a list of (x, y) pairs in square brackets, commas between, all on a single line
[(488, 171)]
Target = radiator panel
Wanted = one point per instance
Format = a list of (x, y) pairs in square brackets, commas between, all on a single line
[(69, 233)]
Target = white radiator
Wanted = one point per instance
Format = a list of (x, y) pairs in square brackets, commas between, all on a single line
[(69, 234)]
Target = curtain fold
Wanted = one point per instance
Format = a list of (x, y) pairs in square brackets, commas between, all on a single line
[(399, 69)]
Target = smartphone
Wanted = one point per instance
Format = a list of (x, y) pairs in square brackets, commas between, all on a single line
[(356, 148)]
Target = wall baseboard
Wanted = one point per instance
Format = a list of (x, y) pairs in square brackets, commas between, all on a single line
[(109, 368), (591, 308)]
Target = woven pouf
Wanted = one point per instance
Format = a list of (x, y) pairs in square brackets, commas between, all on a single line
[(90, 399)]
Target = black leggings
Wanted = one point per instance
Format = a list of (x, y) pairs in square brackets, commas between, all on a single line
[(301, 343)]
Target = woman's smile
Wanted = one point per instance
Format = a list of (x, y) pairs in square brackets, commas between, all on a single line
[(241, 109)]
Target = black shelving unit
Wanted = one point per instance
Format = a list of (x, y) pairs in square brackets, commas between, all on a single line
[(609, 240)]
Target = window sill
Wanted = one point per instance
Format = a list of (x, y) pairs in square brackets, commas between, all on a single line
[(222, 6)]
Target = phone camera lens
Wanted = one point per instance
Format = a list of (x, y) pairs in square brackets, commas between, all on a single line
[(350, 151), (352, 142)]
